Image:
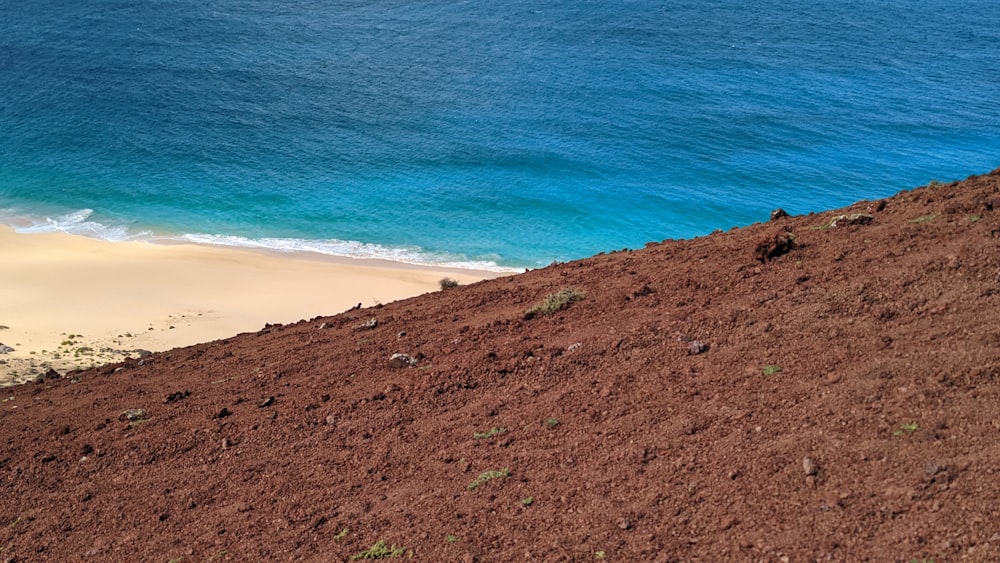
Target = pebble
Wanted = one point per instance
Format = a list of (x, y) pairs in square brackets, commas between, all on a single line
[(809, 466)]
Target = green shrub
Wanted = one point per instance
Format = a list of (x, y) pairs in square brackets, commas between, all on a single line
[(554, 302)]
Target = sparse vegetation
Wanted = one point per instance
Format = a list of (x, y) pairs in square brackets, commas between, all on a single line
[(488, 476), (527, 501), (922, 219), (380, 551), (342, 534), (448, 283), (489, 433), (552, 423), (451, 538), (554, 302), (771, 369), (908, 428)]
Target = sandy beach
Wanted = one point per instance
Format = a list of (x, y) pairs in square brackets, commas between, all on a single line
[(71, 302)]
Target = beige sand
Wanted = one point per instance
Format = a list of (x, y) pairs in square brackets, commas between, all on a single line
[(68, 301)]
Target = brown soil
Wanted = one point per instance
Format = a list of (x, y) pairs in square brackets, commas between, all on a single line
[(728, 398)]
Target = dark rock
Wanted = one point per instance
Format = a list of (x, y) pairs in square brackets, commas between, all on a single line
[(4, 349), (223, 413), (176, 396), (778, 213), (774, 245), (266, 402)]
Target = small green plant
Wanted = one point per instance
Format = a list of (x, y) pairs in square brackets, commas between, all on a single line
[(342, 534), (527, 501), (771, 369), (554, 302), (451, 538), (922, 219), (488, 476), (552, 423), (600, 555), (16, 522), (381, 551), (489, 433), (176, 560), (974, 218), (448, 283), (909, 428), (933, 184)]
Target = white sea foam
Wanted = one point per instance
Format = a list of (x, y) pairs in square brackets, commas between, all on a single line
[(79, 223)]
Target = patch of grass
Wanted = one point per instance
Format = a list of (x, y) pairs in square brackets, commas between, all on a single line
[(527, 501), (923, 219), (552, 423), (342, 534), (771, 369), (489, 433), (554, 302), (448, 283), (600, 555), (381, 551), (219, 555), (16, 522), (908, 428), (488, 476), (451, 538), (974, 218)]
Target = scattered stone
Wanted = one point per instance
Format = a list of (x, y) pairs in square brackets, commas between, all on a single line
[(4, 349), (809, 466), (853, 219), (402, 361), (367, 325), (266, 402), (778, 213), (223, 413), (324, 326), (833, 377), (696, 347)]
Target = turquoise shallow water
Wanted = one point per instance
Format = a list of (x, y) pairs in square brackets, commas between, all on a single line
[(497, 135)]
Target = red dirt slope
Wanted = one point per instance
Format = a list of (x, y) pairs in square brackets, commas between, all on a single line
[(791, 391)]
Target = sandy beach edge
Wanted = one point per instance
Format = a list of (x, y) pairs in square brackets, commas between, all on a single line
[(70, 302)]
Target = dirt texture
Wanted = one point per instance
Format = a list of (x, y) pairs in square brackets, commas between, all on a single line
[(815, 388)]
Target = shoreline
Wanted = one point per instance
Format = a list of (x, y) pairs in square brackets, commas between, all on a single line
[(72, 302)]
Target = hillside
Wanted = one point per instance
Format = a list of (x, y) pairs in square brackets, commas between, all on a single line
[(790, 391)]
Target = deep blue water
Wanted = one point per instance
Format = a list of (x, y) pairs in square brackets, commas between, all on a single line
[(503, 134)]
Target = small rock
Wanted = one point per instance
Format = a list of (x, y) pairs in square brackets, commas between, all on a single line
[(367, 325), (4, 349), (853, 219), (223, 413), (809, 466), (331, 419), (132, 415), (397, 361), (697, 347), (778, 213), (833, 377), (266, 402)]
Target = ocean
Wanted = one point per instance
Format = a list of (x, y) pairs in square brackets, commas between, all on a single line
[(501, 135)]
